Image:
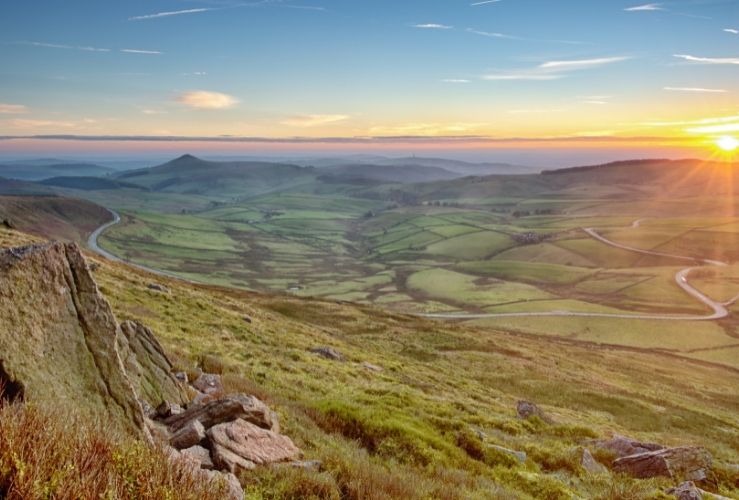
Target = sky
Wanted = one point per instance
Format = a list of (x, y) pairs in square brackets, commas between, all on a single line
[(498, 78)]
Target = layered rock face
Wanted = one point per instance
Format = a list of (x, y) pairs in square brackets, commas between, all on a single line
[(61, 343)]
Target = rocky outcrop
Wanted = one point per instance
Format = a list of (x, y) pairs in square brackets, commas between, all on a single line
[(148, 367), (688, 463), (622, 446), (328, 353), (227, 409), (58, 335), (686, 491), (60, 342), (242, 445)]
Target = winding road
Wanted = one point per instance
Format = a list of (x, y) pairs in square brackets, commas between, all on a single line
[(92, 243), (681, 279)]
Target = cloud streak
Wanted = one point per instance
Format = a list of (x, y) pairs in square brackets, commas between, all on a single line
[(139, 51), (313, 120), (554, 70), (158, 15), (647, 7), (13, 109), (695, 89), (484, 2), (208, 100), (708, 60), (732, 31), (65, 47), (433, 26)]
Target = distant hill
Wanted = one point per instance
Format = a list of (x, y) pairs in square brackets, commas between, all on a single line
[(36, 170), (53, 216), (88, 183), (387, 173), (190, 175), (16, 187), (460, 167)]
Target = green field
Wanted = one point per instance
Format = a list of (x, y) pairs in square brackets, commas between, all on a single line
[(496, 245)]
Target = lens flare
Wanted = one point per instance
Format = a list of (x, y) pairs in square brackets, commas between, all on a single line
[(727, 143)]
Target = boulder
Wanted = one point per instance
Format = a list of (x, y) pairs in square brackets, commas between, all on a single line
[(590, 464), (147, 365), (251, 443), (686, 491), (622, 446), (167, 409), (58, 337), (200, 455), (526, 409), (687, 463), (328, 353), (210, 384), (190, 435), (227, 409), (157, 287), (518, 455), (371, 367), (226, 460)]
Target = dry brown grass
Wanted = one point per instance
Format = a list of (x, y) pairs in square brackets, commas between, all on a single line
[(43, 456)]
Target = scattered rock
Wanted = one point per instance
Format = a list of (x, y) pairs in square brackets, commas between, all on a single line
[(7, 224), (371, 367), (251, 443), (167, 409), (210, 384), (234, 487), (201, 398), (94, 266), (687, 463), (190, 435), (230, 408), (622, 446), (686, 491), (518, 455), (526, 409), (157, 287), (590, 464), (147, 365), (248, 319), (328, 353), (182, 377), (199, 454), (225, 459)]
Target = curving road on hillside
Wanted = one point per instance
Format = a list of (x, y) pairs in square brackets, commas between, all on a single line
[(681, 279), (92, 243)]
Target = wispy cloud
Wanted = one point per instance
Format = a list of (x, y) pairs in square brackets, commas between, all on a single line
[(645, 7), (554, 70), (695, 89), (491, 34), (732, 31), (32, 124), (708, 60), (139, 51), (13, 109), (536, 111), (203, 99), (714, 129), (158, 15), (455, 80), (433, 26), (581, 63), (66, 47), (313, 120), (484, 2), (495, 34), (702, 121)]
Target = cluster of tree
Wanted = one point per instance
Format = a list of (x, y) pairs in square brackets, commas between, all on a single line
[(538, 211)]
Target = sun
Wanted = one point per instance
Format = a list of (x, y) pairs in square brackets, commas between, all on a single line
[(727, 143)]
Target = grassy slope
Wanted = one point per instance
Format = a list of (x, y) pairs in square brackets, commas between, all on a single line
[(53, 217), (405, 432)]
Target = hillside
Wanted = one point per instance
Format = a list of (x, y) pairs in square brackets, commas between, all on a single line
[(52, 216), (35, 171), (190, 175), (389, 413)]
